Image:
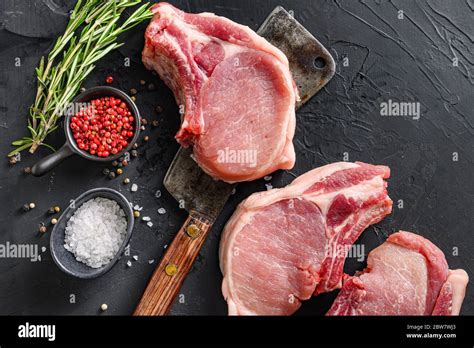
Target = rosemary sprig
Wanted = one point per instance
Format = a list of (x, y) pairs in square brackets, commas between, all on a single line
[(60, 79)]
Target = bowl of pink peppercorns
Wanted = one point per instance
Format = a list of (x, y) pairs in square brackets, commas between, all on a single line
[(102, 125)]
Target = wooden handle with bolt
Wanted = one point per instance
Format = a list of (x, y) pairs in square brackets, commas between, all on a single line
[(169, 275)]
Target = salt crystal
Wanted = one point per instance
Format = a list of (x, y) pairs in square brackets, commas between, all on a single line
[(150, 261), (162, 211), (269, 186), (158, 194), (43, 249), (96, 231), (149, 224), (146, 218), (39, 258), (135, 257), (267, 178), (136, 207), (129, 263), (166, 245), (134, 188), (233, 191)]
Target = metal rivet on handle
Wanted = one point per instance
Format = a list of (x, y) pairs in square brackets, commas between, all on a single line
[(171, 269), (192, 231)]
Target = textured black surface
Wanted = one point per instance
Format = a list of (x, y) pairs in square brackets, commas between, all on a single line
[(407, 59)]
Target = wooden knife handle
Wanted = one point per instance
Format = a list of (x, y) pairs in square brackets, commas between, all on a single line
[(169, 275)]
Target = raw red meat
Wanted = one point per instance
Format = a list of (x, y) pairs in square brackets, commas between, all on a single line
[(284, 245), (235, 87), (406, 275)]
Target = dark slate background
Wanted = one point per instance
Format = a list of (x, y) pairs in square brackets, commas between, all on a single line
[(406, 59)]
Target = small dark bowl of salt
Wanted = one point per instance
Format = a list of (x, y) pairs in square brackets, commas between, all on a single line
[(91, 243)]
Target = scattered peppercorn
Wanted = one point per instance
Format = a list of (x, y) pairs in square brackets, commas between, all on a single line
[(144, 121), (133, 98), (126, 181), (82, 89), (106, 171), (111, 175), (13, 160), (136, 213), (143, 82), (134, 153), (25, 207), (42, 228), (133, 91), (114, 163), (51, 211), (57, 209), (135, 146), (119, 171), (151, 87), (109, 79), (155, 123), (54, 221), (146, 138), (159, 109), (32, 205), (27, 170)]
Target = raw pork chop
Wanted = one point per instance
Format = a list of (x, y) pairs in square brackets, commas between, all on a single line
[(284, 245), (406, 275), (236, 88)]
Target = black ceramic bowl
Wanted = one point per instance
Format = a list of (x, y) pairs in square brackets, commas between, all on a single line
[(70, 147), (66, 260)]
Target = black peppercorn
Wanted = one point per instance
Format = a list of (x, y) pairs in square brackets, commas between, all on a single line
[(133, 91), (106, 171), (25, 207), (134, 153), (151, 87), (114, 163), (27, 170), (159, 109), (111, 175)]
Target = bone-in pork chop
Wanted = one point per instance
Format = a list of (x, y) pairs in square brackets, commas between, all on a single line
[(234, 88)]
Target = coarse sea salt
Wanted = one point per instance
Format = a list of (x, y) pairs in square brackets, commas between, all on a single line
[(96, 231)]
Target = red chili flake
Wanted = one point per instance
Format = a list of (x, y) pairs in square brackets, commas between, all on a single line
[(109, 79), (104, 127)]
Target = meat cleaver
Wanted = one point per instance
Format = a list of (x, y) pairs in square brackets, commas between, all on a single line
[(204, 197)]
